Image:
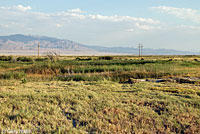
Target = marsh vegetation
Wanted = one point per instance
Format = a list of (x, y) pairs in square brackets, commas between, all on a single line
[(93, 94)]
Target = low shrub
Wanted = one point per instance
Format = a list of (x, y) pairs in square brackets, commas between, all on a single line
[(106, 58), (83, 59), (80, 78), (24, 81), (25, 59), (41, 59), (13, 75), (44, 68), (6, 58)]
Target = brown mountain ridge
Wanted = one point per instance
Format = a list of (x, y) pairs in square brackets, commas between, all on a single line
[(19, 44)]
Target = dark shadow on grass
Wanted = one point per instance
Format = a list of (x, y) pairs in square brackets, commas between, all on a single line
[(182, 95), (75, 122), (126, 91), (12, 117)]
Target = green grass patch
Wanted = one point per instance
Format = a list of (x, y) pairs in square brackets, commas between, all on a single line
[(13, 75)]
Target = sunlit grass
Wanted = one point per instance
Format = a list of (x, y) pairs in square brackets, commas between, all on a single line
[(101, 107)]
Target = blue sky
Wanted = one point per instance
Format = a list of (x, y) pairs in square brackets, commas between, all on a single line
[(172, 24)]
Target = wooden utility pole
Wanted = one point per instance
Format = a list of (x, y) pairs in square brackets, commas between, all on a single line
[(39, 49), (140, 46), (139, 49)]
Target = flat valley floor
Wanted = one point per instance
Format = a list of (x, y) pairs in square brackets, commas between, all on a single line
[(116, 98)]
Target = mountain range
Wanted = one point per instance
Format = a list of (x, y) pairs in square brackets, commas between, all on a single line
[(28, 45)]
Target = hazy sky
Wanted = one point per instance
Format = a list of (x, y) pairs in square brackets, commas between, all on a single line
[(155, 23)]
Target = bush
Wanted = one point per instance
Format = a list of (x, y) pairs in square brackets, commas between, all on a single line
[(25, 59), (80, 78), (6, 58), (41, 59), (44, 68), (24, 81), (86, 59), (106, 58), (13, 75)]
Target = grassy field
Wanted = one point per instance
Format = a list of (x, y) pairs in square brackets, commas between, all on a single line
[(95, 95)]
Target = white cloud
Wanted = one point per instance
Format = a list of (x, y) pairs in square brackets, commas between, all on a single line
[(183, 13), (114, 18), (76, 10), (58, 25), (117, 18), (19, 7), (189, 27), (23, 8), (142, 27), (76, 14), (4, 25), (130, 30)]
